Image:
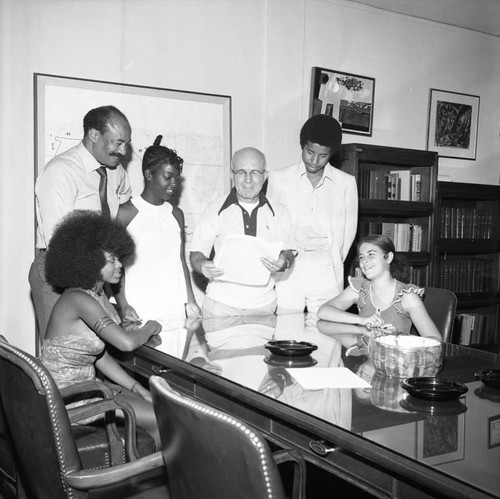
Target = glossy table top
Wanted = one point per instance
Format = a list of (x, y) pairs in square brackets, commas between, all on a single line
[(460, 438)]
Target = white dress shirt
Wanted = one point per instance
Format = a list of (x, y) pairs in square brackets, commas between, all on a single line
[(70, 182)]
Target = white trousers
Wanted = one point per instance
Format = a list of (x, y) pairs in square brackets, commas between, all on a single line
[(310, 282)]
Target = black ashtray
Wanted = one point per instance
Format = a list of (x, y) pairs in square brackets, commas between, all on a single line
[(432, 388), (430, 407), (489, 377), (290, 348), (281, 361)]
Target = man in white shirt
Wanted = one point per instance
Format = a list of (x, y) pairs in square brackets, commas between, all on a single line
[(88, 176), (245, 211), (323, 205)]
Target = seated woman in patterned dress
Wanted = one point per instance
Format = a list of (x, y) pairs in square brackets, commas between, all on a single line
[(84, 254), (385, 304)]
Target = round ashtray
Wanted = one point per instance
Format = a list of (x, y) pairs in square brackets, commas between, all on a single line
[(281, 361), (488, 393), (432, 388), (449, 407), (489, 377), (290, 348)]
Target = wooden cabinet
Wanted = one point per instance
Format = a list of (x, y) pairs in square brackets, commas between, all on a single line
[(467, 254), (397, 189)]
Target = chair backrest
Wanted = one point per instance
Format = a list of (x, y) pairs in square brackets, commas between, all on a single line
[(36, 416), (208, 453), (441, 305)]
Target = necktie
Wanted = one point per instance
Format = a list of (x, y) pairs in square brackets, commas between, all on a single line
[(103, 191)]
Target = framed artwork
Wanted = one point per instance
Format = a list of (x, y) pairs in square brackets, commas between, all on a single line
[(441, 439), (196, 125), (347, 97), (494, 432), (453, 123)]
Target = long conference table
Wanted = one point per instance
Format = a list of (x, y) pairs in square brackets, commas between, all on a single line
[(381, 439)]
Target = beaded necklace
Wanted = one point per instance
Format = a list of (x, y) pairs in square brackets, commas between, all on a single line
[(387, 304)]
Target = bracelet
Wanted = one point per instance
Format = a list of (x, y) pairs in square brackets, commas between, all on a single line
[(101, 323), (133, 386)]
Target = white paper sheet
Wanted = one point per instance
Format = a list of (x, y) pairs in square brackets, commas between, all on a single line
[(239, 257), (317, 378)]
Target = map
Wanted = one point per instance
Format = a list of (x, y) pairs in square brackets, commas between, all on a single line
[(196, 125)]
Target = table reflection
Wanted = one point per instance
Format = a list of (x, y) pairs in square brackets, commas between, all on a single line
[(456, 437)]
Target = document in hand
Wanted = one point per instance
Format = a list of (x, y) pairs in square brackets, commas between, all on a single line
[(239, 257)]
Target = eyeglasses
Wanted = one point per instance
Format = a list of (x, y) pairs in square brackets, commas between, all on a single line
[(254, 174)]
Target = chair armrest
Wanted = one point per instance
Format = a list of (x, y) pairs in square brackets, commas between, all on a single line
[(79, 413), (90, 387), (299, 470), (92, 479)]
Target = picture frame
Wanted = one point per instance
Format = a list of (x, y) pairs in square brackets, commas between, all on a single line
[(452, 126), (441, 439), (494, 431), (197, 125), (348, 97)]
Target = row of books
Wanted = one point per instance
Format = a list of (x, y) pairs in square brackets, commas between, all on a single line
[(400, 185), (418, 276), (466, 223), (471, 274), (405, 236), (470, 329)]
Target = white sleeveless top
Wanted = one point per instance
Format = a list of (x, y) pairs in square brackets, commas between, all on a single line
[(154, 283)]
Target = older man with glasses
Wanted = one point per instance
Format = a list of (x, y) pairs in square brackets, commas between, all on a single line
[(245, 211)]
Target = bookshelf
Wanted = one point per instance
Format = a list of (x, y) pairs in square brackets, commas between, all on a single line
[(396, 190), (467, 257)]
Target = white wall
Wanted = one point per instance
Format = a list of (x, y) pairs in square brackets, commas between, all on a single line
[(258, 51)]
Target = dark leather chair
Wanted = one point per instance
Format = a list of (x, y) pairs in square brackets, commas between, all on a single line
[(10, 484), (209, 453), (43, 436), (441, 304)]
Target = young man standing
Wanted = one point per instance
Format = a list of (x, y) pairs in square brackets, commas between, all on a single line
[(323, 205)]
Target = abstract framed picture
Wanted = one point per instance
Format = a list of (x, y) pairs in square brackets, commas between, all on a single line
[(349, 98), (441, 439), (453, 123)]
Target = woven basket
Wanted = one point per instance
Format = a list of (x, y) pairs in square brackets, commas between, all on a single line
[(386, 392), (405, 356)]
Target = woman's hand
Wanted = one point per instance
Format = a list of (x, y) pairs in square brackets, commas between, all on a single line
[(273, 385), (139, 390), (151, 327), (129, 315), (376, 325), (371, 322)]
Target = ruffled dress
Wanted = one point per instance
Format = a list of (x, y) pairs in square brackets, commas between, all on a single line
[(395, 313)]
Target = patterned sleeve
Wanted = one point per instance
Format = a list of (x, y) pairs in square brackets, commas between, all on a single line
[(411, 288)]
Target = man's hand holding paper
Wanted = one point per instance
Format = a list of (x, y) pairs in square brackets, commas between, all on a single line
[(248, 260)]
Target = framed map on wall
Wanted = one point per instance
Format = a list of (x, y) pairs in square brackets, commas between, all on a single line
[(196, 125)]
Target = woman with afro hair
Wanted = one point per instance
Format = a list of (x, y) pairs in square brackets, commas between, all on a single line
[(84, 253), (158, 284)]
